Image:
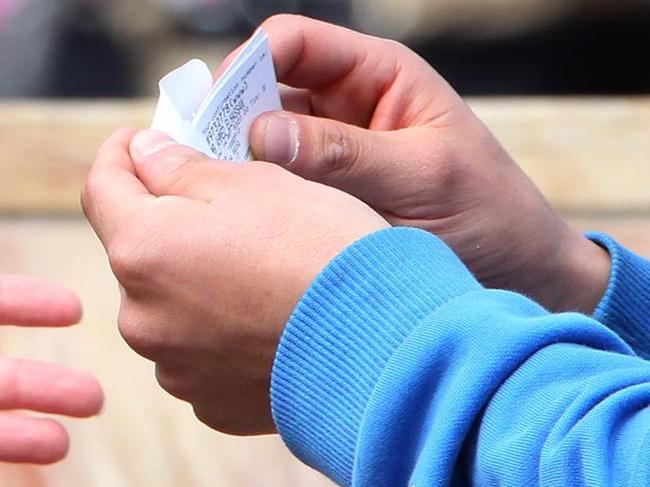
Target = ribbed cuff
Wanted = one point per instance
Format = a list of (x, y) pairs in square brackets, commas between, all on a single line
[(625, 307), (348, 324)]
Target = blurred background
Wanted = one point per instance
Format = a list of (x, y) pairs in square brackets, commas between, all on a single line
[(71, 71), (109, 48)]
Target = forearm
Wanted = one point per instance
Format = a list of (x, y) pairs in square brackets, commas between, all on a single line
[(398, 370)]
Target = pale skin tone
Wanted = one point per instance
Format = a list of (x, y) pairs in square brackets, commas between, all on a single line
[(213, 256), (370, 117), (32, 385)]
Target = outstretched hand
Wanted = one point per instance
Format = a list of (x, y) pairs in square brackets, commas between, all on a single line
[(32, 385)]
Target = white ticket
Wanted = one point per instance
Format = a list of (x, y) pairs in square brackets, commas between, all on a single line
[(215, 117)]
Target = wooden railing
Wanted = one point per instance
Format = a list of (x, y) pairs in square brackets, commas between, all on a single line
[(586, 154), (591, 157)]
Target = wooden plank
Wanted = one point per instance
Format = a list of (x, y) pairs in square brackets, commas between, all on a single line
[(584, 154), (587, 155), (47, 147)]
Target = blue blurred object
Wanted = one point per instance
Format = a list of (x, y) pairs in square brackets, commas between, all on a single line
[(60, 48), (28, 35)]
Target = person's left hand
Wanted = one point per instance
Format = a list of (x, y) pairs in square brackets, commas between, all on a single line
[(212, 257), (37, 386)]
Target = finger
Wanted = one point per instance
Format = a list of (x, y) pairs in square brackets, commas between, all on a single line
[(112, 193), (351, 74), (296, 100), (28, 301), (312, 54), (49, 388), (361, 162), (31, 440), (225, 64), (293, 99), (168, 168)]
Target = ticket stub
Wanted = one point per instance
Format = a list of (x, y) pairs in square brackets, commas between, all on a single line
[(215, 117)]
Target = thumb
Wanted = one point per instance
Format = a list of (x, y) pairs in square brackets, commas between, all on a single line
[(362, 162), (168, 168)]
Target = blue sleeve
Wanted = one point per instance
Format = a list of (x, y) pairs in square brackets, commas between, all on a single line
[(398, 369), (625, 307)]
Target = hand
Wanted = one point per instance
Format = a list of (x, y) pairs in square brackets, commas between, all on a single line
[(38, 386), (212, 257), (370, 117)]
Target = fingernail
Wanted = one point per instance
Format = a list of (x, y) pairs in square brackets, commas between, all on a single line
[(281, 139), (148, 142)]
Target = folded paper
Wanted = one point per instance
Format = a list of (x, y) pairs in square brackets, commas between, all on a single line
[(215, 117)]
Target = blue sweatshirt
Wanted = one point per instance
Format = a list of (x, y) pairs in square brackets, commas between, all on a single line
[(397, 368)]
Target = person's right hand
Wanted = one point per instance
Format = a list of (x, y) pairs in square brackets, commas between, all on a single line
[(370, 117), (27, 384)]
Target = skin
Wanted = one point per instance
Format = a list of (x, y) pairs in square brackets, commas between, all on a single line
[(375, 120), (32, 385), (212, 257)]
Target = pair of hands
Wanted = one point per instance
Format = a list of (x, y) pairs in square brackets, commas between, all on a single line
[(37, 386), (213, 256)]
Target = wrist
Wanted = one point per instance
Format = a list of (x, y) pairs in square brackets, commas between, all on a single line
[(580, 277)]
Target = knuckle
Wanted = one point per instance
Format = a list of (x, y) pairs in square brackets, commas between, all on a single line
[(398, 51), (183, 161), (88, 190), (140, 336), (397, 46), (173, 381), (126, 266), (400, 55), (342, 151), (133, 259), (281, 19)]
